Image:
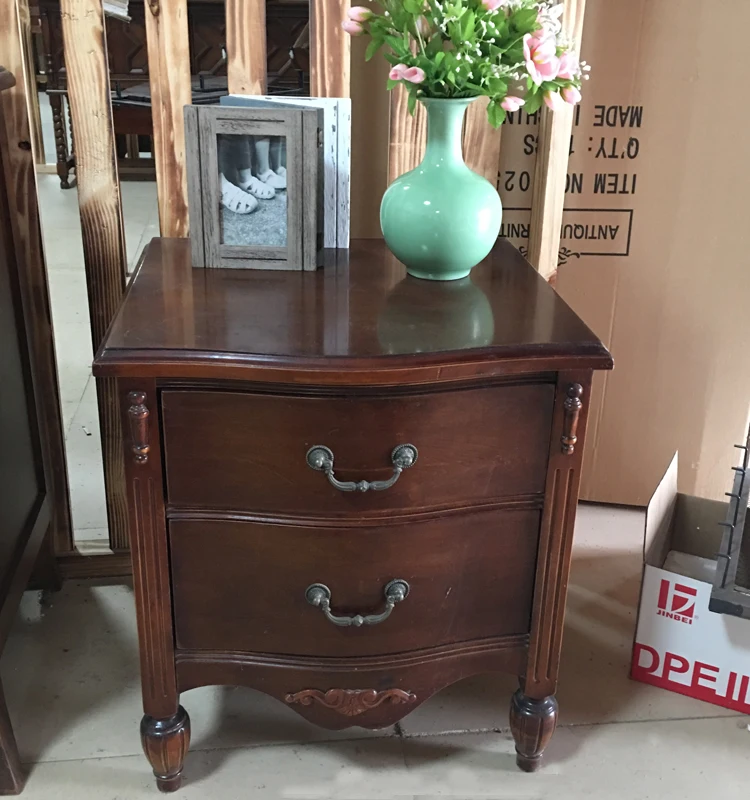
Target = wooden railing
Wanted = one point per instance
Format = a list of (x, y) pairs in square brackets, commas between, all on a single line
[(170, 82)]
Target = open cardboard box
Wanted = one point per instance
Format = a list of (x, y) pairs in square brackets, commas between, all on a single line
[(679, 644)]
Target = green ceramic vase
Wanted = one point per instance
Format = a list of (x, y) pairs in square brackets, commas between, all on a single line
[(441, 219)]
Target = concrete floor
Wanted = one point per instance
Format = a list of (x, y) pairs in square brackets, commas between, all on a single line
[(70, 671), (70, 667)]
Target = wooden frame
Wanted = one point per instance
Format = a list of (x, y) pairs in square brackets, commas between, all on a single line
[(101, 221), (336, 128), (300, 129), (15, 135)]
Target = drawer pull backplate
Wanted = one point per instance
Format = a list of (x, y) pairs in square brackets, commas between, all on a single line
[(319, 595), (320, 458)]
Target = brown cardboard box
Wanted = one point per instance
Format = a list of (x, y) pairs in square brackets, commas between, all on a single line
[(655, 235)]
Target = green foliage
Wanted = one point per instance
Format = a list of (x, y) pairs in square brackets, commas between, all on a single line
[(463, 49)]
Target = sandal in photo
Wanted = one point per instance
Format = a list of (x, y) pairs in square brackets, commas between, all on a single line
[(234, 199)]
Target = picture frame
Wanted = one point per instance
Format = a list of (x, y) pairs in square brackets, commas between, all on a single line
[(254, 186), (336, 163)]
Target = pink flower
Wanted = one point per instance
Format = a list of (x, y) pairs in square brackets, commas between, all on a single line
[(539, 53), (553, 101), (359, 13), (569, 66), (353, 28), (397, 72), (493, 5), (414, 75), (403, 73), (571, 95), (511, 103)]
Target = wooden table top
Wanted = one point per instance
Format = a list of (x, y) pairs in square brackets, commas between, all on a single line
[(359, 319)]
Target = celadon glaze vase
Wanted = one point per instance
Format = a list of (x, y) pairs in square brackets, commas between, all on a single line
[(441, 219)]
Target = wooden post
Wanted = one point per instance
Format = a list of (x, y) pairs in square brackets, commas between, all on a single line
[(407, 135), (481, 141), (18, 161), (101, 221), (548, 189), (330, 49), (35, 118), (169, 76), (246, 46)]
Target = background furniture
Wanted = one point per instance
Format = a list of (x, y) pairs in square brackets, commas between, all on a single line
[(288, 71), (26, 502), (257, 407)]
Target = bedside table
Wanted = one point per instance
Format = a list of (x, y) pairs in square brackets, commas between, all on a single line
[(348, 488)]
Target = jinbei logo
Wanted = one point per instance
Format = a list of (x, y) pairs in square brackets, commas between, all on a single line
[(676, 601)]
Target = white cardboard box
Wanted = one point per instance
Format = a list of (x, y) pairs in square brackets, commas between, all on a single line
[(679, 644)]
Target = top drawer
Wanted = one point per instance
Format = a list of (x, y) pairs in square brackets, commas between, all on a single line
[(247, 452)]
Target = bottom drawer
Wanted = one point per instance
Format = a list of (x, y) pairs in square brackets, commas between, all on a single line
[(241, 586)]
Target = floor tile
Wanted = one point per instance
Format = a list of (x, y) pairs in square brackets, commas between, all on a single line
[(139, 203), (48, 128), (625, 761), (69, 408), (92, 541), (149, 232), (69, 299), (74, 353), (333, 771), (70, 671), (57, 206), (597, 645), (85, 471)]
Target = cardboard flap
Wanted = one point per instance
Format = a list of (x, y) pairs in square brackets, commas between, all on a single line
[(659, 514)]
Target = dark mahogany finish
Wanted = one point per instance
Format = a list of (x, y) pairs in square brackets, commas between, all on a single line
[(533, 723), (228, 377), (461, 569), (263, 439), (32, 471)]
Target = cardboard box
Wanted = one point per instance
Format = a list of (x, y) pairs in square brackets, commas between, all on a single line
[(654, 247), (655, 235), (679, 644)]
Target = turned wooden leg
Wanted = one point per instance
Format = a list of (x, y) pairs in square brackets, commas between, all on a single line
[(165, 743), (61, 140), (532, 723)]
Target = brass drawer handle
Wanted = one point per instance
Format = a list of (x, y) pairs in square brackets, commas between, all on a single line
[(320, 458), (319, 595)]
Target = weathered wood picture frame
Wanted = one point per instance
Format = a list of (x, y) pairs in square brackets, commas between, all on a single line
[(243, 228), (336, 156)]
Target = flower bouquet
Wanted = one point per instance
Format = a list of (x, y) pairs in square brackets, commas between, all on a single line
[(512, 51)]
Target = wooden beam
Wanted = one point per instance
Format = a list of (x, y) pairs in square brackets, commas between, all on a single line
[(77, 566), (407, 135), (481, 141), (18, 165), (35, 117), (548, 189), (330, 49), (101, 221), (169, 77), (246, 46)]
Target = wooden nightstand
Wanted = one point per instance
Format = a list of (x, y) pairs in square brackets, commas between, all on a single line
[(348, 489)]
